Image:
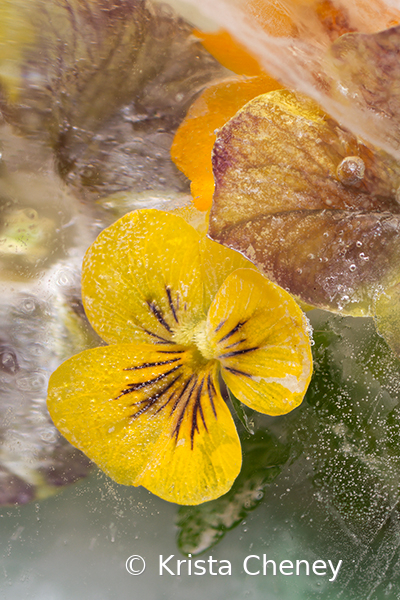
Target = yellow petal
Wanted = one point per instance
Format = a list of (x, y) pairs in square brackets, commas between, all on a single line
[(386, 316), (259, 334), (149, 416), (217, 262), (141, 278)]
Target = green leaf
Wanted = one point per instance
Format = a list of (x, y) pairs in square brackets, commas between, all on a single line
[(348, 430), (201, 527), (349, 425), (240, 413)]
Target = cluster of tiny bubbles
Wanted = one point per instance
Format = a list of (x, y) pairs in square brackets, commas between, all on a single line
[(343, 301), (309, 329), (351, 170)]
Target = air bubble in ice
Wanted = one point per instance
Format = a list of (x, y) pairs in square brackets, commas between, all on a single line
[(8, 361), (64, 278), (28, 306), (48, 435), (351, 170), (352, 267), (34, 382)]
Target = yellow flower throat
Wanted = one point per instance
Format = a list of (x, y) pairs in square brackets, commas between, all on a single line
[(196, 338)]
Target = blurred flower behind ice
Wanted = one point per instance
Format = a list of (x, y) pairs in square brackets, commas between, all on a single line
[(299, 57), (104, 84), (43, 232)]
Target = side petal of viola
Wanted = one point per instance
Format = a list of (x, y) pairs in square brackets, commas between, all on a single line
[(149, 285), (145, 417), (260, 336)]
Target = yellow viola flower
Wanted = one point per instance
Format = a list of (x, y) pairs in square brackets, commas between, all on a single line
[(178, 311)]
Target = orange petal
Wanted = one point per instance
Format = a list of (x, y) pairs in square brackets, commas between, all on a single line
[(274, 18), (194, 140), (229, 52)]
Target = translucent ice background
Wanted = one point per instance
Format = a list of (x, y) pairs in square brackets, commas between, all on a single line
[(336, 499)]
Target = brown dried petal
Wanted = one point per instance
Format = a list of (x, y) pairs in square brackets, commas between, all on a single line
[(282, 200)]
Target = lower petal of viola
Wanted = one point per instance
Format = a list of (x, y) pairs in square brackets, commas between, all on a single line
[(147, 416), (203, 458)]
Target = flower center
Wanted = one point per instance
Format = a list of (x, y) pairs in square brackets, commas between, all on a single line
[(201, 340), (195, 337)]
